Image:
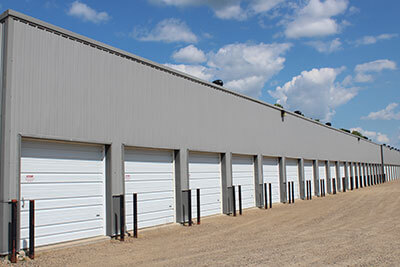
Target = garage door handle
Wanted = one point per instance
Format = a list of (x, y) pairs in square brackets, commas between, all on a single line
[(23, 203)]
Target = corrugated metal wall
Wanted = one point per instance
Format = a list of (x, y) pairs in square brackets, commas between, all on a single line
[(67, 89)]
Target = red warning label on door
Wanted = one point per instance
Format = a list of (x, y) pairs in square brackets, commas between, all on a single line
[(29, 177)]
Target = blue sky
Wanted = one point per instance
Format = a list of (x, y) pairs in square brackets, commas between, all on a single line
[(335, 60)]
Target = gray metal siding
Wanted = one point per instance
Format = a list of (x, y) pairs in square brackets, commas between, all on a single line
[(67, 89)]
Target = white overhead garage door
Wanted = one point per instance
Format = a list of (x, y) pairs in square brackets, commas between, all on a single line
[(292, 175), (67, 183), (348, 176), (332, 169), (342, 174), (271, 175), (205, 173), (243, 175), (322, 174), (355, 176), (309, 175), (150, 174)]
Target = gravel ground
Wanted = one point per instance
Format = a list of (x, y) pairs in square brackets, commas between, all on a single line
[(356, 228)]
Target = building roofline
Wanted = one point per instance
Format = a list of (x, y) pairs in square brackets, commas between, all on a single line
[(102, 46)]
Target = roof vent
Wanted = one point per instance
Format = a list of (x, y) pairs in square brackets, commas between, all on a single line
[(298, 112), (328, 123), (219, 82)]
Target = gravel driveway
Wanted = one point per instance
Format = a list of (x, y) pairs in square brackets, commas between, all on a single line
[(356, 228)]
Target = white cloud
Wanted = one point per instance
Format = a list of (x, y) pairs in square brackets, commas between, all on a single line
[(375, 136), (316, 93), (247, 67), (244, 68), (387, 113), (363, 71), (168, 30), (367, 40), (326, 47), (353, 10), (262, 6), (86, 13), (194, 70), (189, 54), (227, 9), (315, 19)]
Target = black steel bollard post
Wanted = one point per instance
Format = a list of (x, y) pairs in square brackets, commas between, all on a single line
[(190, 207), (122, 216), (234, 200), (356, 182), (289, 194), (270, 195), (344, 184), (13, 257), (135, 222), (198, 205), (320, 189), (32, 229), (265, 196), (292, 192), (334, 186), (240, 199), (351, 183)]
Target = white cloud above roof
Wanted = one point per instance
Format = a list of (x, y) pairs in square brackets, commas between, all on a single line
[(189, 54), (227, 9), (387, 113), (364, 71), (244, 67), (316, 93), (375, 136), (168, 30), (86, 13)]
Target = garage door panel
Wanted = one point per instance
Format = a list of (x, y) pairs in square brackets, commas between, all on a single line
[(206, 198), (148, 186), (149, 173), (243, 175), (150, 218), (28, 178), (271, 175), (63, 216), (62, 237), (48, 191), (67, 183), (64, 203), (292, 175), (146, 167), (244, 178), (309, 174), (57, 229), (149, 206), (49, 165), (207, 209), (156, 177), (333, 171), (205, 182), (205, 174), (151, 196)]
